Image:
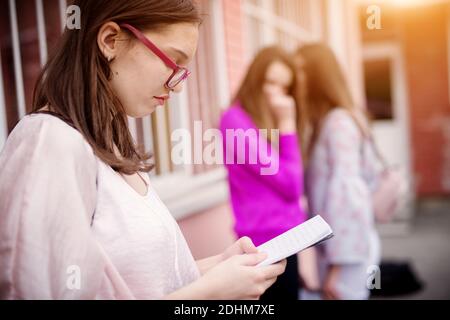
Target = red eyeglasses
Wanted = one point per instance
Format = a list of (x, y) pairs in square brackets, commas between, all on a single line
[(179, 73)]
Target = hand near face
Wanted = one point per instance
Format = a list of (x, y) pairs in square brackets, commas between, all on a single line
[(283, 108)]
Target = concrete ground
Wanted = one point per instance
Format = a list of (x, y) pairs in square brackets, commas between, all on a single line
[(426, 245)]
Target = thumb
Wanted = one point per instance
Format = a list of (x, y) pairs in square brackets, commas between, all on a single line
[(247, 245)]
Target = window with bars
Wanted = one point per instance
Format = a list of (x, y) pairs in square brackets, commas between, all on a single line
[(28, 30), (284, 22), (199, 103)]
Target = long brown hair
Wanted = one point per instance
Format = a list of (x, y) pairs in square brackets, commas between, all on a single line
[(74, 82), (326, 89), (250, 94)]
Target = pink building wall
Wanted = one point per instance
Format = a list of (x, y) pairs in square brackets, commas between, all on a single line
[(425, 45), (234, 41), (210, 232)]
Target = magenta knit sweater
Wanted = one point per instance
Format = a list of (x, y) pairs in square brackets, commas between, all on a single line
[(264, 205)]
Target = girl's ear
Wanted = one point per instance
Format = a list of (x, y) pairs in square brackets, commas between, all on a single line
[(107, 40)]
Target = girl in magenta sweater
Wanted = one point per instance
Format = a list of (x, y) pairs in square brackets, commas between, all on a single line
[(264, 166)]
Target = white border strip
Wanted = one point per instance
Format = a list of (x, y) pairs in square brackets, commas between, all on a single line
[(3, 123), (132, 127), (268, 35), (271, 19), (42, 35), (147, 128), (20, 92), (336, 30), (62, 13), (186, 195), (180, 119), (315, 18), (400, 101), (163, 151), (220, 61)]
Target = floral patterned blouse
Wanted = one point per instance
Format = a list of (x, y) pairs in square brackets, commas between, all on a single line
[(340, 178)]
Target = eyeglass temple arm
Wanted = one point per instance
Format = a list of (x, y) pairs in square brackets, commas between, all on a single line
[(150, 45)]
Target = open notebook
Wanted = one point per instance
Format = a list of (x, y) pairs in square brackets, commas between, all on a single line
[(295, 240)]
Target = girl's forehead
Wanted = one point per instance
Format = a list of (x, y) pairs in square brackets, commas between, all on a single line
[(279, 71), (178, 37)]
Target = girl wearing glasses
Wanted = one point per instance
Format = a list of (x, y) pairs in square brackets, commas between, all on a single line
[(79, 217)]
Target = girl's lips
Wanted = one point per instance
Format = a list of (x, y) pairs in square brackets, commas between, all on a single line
[(161, 100)]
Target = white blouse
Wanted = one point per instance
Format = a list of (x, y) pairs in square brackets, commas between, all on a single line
[(72, 228)]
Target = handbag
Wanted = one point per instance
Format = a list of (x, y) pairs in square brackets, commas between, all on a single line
[(391, 191)]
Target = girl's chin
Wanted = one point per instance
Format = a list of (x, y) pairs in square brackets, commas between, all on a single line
[(150, 108), (142, 112)]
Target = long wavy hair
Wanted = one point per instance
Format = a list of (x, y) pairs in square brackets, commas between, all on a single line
[(250, 94), (326, 89)]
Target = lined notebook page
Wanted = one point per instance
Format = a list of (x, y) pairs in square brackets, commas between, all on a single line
[(295, 240)]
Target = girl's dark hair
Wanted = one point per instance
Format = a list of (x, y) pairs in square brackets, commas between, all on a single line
[(74, 82)]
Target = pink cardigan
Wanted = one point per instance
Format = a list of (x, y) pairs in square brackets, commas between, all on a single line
[(72, 228)]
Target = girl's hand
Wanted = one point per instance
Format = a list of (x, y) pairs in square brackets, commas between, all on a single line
[(241, 246), (330, 291), (238, 277), (308, 269), (283, 108)]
